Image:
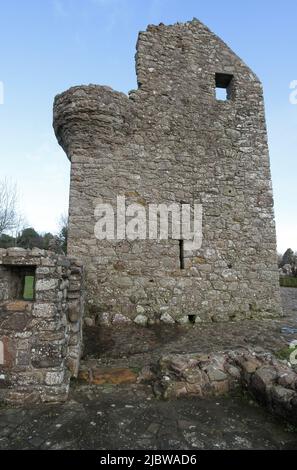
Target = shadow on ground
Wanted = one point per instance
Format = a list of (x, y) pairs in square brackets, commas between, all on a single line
[(129, 417)]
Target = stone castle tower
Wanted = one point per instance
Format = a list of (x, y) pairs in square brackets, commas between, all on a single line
[(173, 141)]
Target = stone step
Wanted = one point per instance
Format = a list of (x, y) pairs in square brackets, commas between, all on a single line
[(107, 375)]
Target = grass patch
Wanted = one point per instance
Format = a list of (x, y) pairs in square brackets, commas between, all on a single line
[(288, 281), (284, 353), (290, 428)]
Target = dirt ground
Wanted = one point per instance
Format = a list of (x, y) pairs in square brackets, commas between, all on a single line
[(130, 417), (136, 346)]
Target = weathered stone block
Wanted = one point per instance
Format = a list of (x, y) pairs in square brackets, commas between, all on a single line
[(121, 319), (221, 387), (140, 320), (23, 358), (282, 395), (16, 321), (215, 374), (54, 378), (45, 310), (47, 355), (46, 284), (263, 378), (17, 306), (74, 312), (166, 318)]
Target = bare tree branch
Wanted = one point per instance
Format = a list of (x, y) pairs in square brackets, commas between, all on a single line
[(9, 216)]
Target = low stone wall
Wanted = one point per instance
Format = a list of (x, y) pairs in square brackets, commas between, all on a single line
[(270, 381), (40, 338)]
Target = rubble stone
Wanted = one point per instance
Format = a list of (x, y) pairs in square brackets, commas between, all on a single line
[(40, 339)]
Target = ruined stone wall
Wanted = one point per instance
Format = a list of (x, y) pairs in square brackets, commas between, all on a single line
[(272, 382), (40, 339), (171, 141)]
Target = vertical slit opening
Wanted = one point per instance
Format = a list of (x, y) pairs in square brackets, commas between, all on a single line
[(181, 255)]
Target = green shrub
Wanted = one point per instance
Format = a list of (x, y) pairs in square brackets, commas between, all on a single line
[(288, 281), (285, 353)]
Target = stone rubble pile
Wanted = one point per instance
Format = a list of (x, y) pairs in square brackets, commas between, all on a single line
[(271, 382)]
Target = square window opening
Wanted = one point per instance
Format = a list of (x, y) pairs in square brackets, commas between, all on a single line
[(223, 86), (19, 282)]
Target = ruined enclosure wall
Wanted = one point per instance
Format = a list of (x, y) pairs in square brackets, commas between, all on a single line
[(172, 141), (40, 340)]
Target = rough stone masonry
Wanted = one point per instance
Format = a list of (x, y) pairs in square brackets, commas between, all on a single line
[(173, 141), (40, 335)]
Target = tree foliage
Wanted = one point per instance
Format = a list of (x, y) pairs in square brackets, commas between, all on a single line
[(289, 258), (30, 238)]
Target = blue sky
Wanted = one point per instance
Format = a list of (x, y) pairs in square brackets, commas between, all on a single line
[(49, 45)]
